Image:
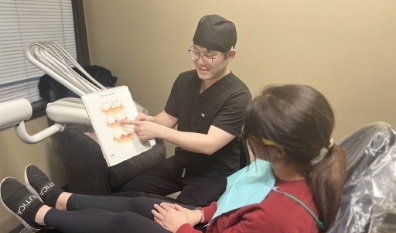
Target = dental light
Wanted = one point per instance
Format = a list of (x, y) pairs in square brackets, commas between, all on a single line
[(14, 111), (57, 63)]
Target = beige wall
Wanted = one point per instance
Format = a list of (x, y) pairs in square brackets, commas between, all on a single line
[(15, 155), (346, 49)]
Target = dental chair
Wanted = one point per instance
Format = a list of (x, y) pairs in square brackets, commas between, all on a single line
[(87, 173), (86, 168), (368, 203)]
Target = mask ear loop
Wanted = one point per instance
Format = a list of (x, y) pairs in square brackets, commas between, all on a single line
[(319, 224)]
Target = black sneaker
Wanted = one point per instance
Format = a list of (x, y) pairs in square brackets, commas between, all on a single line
[(40, 185), (20, 202)]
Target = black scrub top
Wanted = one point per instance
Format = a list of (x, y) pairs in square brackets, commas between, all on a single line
[(222, 105)]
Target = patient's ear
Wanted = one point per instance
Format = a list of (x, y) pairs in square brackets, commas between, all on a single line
[(275, 154), (280, 153)]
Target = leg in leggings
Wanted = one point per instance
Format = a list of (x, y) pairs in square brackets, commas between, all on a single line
[(138, 205), (100, 221), (163, 179), (201, 191)]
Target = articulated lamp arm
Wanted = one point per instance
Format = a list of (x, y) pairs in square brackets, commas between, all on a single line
[(62, 112)]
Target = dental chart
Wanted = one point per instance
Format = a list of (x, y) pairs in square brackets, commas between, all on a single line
[(106, 108)]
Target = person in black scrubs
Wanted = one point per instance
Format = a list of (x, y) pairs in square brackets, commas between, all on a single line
[(207, 105)]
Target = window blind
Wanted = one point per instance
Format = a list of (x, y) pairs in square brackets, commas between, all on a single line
[(23, 22)]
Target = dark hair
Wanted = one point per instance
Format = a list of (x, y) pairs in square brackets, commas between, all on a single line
[(299, 119)]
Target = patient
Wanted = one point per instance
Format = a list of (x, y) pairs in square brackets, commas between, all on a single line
[(294, 184)]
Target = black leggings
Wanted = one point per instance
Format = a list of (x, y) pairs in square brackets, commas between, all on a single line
[(105, 214), (197, 188)]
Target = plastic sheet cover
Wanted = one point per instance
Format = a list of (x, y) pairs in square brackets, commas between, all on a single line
[(370, 191)]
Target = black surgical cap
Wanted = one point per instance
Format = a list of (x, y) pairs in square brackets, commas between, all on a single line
[(215, 33)]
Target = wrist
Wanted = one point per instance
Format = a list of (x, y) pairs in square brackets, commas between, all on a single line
[(201, 214)]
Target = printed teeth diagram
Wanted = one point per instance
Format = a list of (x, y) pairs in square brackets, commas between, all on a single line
[(115, 113)]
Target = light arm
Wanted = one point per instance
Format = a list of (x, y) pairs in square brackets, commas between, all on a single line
[(15, 112), (63, 111), (38, 137)]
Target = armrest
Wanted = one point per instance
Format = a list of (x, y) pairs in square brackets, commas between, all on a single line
[(86, 168), (124, 171)]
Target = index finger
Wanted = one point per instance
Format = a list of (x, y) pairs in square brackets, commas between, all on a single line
[(167, 206), (159, 209), (126, 122)]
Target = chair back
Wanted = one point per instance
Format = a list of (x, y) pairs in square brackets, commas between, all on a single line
[(370, 191)]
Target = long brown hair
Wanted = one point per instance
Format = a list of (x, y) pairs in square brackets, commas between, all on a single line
[(301, 121)]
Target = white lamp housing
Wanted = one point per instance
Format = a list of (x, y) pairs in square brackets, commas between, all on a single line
[(14, 111)]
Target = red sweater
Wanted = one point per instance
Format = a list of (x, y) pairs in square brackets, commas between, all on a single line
[(275, 214)]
